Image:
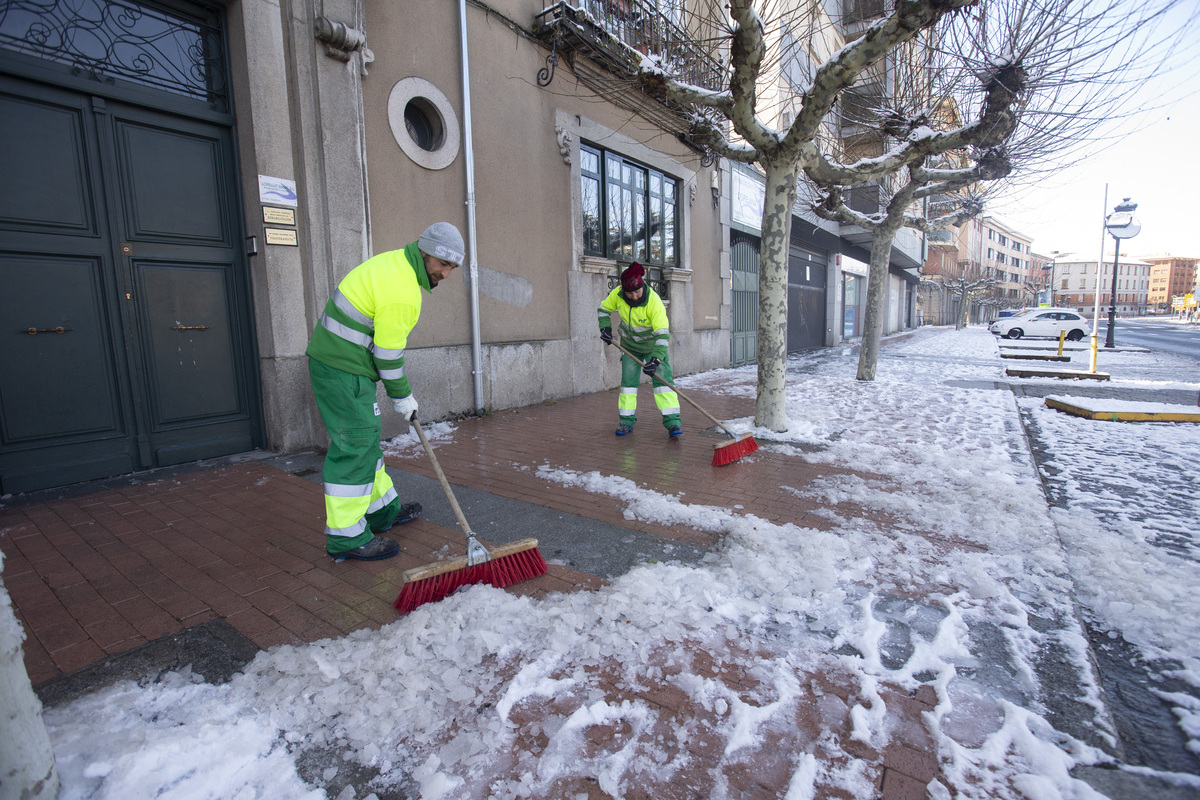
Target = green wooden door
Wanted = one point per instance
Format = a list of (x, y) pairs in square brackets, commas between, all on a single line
[(127, 340)]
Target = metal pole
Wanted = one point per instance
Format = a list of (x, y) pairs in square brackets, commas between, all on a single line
[(1109, 340), (469, 158), (1096, 290)]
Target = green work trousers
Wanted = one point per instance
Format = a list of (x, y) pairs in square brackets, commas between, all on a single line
[(359, 496), (664, 396)]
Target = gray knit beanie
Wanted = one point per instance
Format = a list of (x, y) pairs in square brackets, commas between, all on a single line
[(442, 240)]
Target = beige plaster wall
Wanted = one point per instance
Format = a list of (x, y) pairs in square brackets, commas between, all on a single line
[(324, 123)]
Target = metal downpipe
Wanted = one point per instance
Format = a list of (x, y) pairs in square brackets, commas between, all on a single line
[(469, 153)]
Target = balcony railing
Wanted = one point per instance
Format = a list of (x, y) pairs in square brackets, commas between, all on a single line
[(612, 31)]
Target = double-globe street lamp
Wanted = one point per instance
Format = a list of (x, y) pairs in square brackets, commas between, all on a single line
[(1121, 224)]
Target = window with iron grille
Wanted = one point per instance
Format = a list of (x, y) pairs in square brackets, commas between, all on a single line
[(630, 211), (174, 49)]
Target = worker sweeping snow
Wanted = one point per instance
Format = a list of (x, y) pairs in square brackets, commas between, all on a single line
[(359, 341), (645, 332)]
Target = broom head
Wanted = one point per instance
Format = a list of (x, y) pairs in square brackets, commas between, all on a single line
[(510, 563), (729, 452)]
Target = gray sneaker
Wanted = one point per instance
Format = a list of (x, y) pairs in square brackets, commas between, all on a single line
[(380, 547), (624, 430)]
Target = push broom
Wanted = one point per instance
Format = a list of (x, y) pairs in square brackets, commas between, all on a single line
[(502, 566), (723, 454)]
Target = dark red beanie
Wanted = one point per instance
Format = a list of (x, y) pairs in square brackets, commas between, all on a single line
[(631, 278)]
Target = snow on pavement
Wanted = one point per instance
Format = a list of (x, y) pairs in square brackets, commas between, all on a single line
[(438, 699)]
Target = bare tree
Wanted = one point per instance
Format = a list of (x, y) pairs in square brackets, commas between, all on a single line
[(1030, 81), (1036, 82), (784, 155)]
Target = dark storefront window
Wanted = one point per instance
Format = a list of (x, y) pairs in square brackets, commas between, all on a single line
[(851, 288)]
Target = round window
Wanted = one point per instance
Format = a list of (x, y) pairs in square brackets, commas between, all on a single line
[(424, 127), (423, 123)]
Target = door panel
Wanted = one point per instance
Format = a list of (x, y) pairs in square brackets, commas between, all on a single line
[(118, 224), (191, 357), (191, 342), (173, 188), (43, 170), (65, 412), (45, 293)]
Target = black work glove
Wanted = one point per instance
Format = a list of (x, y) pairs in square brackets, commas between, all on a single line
[(606, 335), (650, 366)]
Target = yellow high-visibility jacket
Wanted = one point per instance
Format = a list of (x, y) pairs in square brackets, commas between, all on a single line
[(644, 327), (366, 323)]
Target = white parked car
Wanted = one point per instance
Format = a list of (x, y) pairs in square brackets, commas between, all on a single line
[(1047, 322)]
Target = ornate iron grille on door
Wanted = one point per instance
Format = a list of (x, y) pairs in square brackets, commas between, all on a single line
[(107, 40)]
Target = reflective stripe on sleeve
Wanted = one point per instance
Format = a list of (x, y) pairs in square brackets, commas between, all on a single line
[(342, 302), (388, 354), (345, 332)]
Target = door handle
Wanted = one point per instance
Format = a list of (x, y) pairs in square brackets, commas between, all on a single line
[(36, 331), (190, 327)]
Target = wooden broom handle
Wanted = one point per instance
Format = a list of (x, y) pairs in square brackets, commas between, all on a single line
[(441, 476), (663, 380)]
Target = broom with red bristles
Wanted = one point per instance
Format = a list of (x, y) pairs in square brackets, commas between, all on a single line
[(502, 566), (723, 454)]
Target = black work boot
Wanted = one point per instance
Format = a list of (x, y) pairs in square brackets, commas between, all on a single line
[(380, 547)]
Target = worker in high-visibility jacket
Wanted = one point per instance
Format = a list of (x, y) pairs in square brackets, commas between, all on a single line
[(646, 333), (360, 340)]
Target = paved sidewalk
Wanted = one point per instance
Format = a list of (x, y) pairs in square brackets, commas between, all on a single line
[(234, 552)]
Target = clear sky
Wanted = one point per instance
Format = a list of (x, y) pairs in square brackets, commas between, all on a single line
[(1156, 165)]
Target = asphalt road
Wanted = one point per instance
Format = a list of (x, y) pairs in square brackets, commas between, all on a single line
[(1156, 333)]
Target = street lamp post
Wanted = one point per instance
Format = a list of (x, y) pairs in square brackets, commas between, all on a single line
[(1050, 283), (1121, 224)]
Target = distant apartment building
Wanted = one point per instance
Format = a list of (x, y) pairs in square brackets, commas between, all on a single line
[(1074, 281), (1170, 277), (1007, 254), (984, 259), (1039, 278)]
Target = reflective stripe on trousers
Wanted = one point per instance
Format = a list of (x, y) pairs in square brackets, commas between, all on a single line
[(347, 505)]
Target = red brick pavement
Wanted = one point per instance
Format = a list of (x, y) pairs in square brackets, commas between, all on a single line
[(104, 573)]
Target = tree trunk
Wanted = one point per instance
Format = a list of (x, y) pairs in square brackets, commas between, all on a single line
[(881, 258), (963, 310), (770, 409), (27, 767)]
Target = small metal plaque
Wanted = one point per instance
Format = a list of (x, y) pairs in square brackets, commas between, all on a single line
[(279, 216), (281, 236)]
